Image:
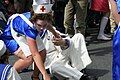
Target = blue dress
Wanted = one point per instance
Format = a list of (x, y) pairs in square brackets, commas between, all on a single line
[(118, 5), (20, 26), (116, 50)]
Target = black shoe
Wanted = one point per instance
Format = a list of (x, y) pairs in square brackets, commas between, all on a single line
[(86, 77), (87, 43), (83, 71)]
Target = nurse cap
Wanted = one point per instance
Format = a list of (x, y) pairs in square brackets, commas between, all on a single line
[(42, 6), (2, 48)]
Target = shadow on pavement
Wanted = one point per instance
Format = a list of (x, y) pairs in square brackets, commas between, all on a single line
[(97, 72)]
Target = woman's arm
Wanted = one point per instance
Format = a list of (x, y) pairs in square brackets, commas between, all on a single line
[(51, 29), (114, 10), (37, 58)]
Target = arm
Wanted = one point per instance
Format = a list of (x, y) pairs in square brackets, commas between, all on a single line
[(37, 58), (114, 10), (51, 29)]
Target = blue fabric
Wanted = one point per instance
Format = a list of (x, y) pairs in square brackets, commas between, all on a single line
[(20, 26), (4, 69), (116, 55), (118, 5)]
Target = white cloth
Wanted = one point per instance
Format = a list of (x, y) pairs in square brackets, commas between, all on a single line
[(13, 75), (59, 61)]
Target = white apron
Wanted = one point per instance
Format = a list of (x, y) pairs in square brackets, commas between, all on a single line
[(21, 40)]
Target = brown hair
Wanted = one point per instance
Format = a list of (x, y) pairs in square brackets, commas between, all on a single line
[(46, 16)]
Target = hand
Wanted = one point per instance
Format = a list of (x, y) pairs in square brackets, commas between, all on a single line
[(58, 41), (57, 35), (46, 77)]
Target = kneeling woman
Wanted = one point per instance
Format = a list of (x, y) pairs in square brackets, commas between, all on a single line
[(22, 38)]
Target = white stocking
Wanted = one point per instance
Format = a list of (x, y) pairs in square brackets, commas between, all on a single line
[(103, 25)]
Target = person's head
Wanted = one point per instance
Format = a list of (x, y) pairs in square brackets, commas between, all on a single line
[(41, 21), (41, 15), (3, 53)]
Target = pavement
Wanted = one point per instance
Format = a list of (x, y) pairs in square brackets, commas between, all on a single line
[(100, 53)]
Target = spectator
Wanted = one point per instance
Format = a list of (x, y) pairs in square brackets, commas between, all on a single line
[(3, 15), (22, 39), (58, 10), (78, 7), (102, 6), (22, 6), (9, 5), (7, 72)]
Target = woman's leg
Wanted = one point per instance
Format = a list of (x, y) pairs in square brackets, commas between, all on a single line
[(23, 61), (103, 24)]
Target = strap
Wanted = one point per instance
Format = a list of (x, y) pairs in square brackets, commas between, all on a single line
[(26, 20), (21, 39)]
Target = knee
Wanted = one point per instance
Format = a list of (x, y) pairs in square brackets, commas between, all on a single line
[(53, 68), (78, 35), (29, 60)]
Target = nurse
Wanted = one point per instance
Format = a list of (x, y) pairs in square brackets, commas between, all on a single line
[(22, 38)]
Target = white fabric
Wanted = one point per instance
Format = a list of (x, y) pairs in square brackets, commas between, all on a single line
[(42, 6), (103, 25), (77, 54), (13, 75), (2, 48), (63, 72), (21, 40), (38, 8)]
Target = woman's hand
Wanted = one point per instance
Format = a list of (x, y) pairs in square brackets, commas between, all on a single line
[(58, 41), (46, 77), (51, 29)]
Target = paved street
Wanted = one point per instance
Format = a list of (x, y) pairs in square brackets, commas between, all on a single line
[(101, 55)]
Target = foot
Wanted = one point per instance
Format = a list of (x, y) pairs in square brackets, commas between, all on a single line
[(102, 37), (106, 35), (87, 43), (83, 71), (86, 77)]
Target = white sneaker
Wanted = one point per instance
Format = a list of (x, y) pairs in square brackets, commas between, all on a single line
[(109, 36), (102, 37)]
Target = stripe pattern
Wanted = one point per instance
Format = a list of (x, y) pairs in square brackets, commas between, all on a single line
[(4, 69)]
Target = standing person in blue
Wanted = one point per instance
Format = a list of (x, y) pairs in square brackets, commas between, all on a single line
[(7, 72), (22, 38), (115, 7)]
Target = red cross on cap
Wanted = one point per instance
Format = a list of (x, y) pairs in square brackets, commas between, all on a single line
[(43, 8)]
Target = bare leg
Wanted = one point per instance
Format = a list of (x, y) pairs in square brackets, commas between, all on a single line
[(23, 62)]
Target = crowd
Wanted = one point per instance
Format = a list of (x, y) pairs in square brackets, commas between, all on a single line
[(51, 37)]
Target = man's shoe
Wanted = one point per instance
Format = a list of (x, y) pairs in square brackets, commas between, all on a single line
[(86, 77), (87, 43), (83, 71)]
